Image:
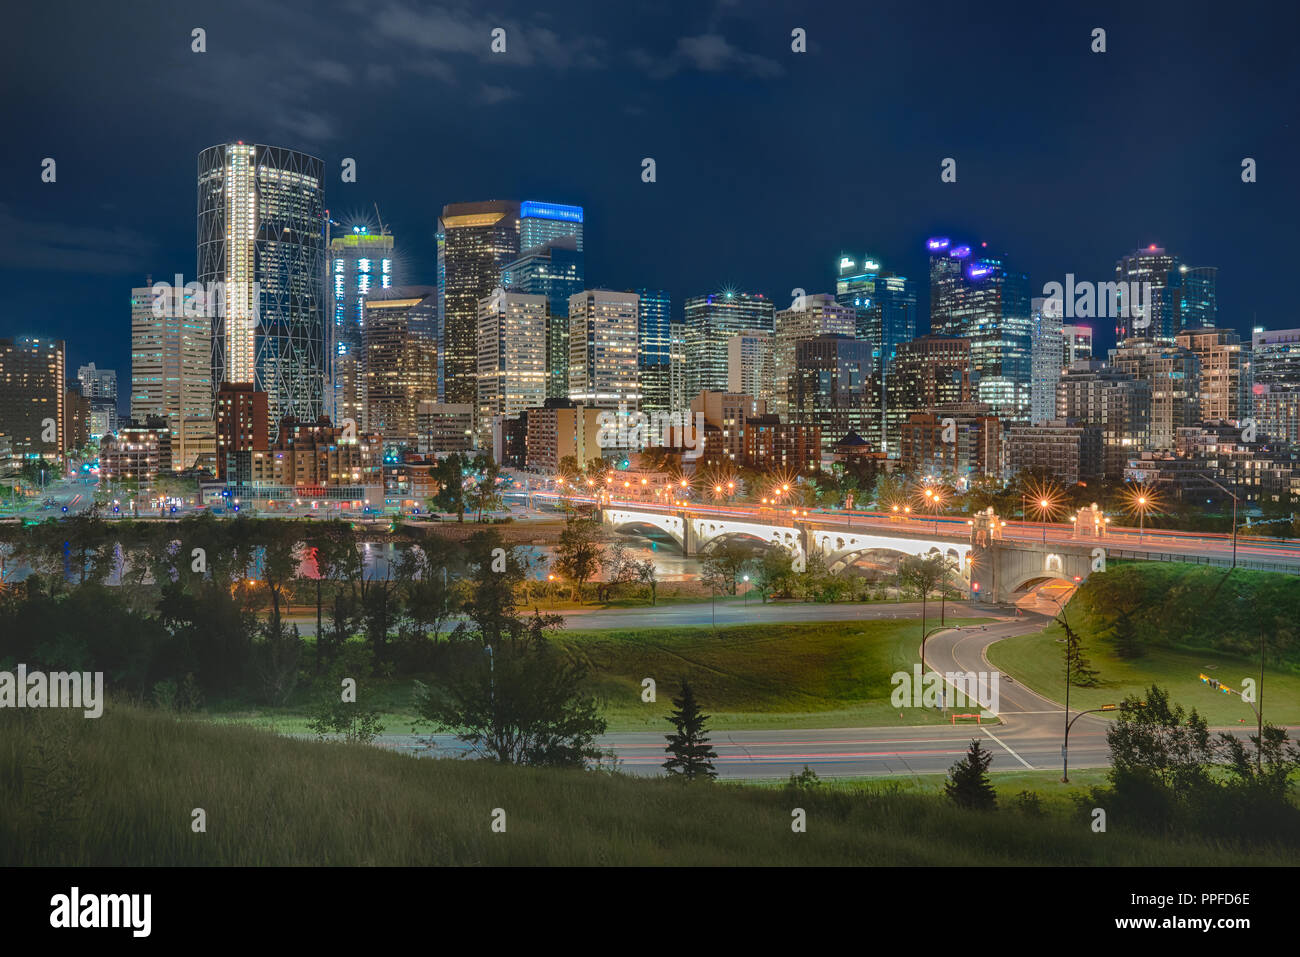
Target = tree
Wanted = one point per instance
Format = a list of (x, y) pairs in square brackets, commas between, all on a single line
[(723, 566), (483, 495), (519, 700), (579, 552), (1157, 740), (924, 574), (773, 572), (647, 574), (968, 780), (620, 569), (1077, 667), (692, 756), (452, 496)]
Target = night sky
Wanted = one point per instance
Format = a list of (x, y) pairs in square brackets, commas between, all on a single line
[(770, 163)]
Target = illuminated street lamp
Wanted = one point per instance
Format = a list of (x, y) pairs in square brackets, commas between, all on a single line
[(1065, 748)]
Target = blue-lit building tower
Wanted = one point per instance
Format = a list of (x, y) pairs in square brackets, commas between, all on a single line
[(654, 340), (360, 265)]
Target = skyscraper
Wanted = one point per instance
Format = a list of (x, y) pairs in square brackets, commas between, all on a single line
[(261, 236), (1047, 352), (977, 296), (171, 369), (833, 387), (360, 264), (476, 241), (926, 372), (677, 366), (749, 365), (400, 360), (1193, 297), (885, 304), (541, 223), (807, 318), (1076, 341), (99, 386), (603, 329), (1174, 375), (511, 357), (556, 270), (1154, 318), (1225, 373), (710, 322), (32, 396), (654, 356)]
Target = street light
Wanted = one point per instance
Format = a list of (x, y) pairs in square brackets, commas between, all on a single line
[(1235, 500), (1065, 748)]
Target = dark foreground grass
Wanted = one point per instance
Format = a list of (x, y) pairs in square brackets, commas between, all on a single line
[(121, 790)]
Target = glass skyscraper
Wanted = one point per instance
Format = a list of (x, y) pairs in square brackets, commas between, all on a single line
[(654, 342), (885, 305), (540, 223), (360, 265), (555, 270), (710, 322), (261, 236)]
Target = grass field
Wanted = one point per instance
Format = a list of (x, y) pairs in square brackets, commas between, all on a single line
[(122, 790), (1037, 661), (823, 675)]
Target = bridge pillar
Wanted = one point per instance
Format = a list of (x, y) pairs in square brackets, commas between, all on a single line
[(690, 541)]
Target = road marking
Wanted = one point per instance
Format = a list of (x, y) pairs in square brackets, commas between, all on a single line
[(1009, 751)]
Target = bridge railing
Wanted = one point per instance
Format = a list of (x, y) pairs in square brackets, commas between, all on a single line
[(1251, 564)]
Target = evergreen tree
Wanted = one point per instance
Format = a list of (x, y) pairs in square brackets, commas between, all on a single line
[(1077, 665), (968, 780), (692, 757)]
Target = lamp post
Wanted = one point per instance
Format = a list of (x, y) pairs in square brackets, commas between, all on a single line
[(1065, 748), (1207, 477)]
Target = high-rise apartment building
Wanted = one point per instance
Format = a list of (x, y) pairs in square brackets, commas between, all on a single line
[(399, 350), (710, 322), (1225, 373), (1076, 342), (834, 387), (476, 241), (677, 398), (603, 335), (261, 237), (361, 264), (171, 369), (1090, 392), (808, 317), (1174, 374), (32, 373), (241, 422)]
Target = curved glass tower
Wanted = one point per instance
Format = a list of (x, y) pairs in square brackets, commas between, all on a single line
[(261, 258)]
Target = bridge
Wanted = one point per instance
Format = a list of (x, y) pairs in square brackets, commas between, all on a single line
[(998, 561)]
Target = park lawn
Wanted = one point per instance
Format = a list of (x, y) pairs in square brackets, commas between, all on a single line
[(789, 675), (121, 791), (1037, 661)]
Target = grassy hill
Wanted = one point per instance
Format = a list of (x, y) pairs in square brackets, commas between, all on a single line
[(122, 789)]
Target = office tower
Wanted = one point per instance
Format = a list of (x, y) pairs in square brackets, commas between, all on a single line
[(99, 386), (603, 330), (399, 360), (975, 295), (1154, 318), (476, 241), (833, 387), (1174, 374), (241, 423), (749, 365), (32, 373), (511, 357), (1225, 373), (710, 322), (654, 357), (361, 264), (557, 271), (444, 428), (542, 223), (807, 318), (1192, 296), (171, 369), (76, 417), (677, 399), (1076, 342), (926, 372), (1047, 352), (725, 415), (261, 236), (885, 304)]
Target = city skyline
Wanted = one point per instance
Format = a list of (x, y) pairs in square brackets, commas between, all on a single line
[(787, 220)]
